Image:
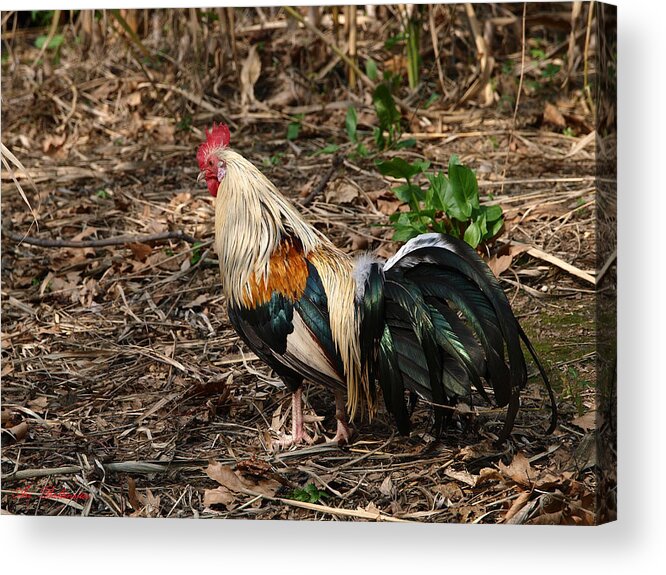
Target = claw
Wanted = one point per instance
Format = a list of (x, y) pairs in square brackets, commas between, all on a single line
[(343, 433)]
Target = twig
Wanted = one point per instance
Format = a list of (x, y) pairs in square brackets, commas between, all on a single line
[(319, 188), (342, 512), (486, 61), (520, 89), (118, 466), (567, 267), (52, 30), (586, 51), (118, 240)]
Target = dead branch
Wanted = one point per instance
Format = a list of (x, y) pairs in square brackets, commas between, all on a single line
[(319, 188), (118, 240)]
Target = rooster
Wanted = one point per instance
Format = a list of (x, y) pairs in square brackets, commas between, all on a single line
[(431, 322)]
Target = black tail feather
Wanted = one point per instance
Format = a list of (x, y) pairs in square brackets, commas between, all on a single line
[(434, 321)]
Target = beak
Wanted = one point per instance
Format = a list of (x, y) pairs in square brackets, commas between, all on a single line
[(201, 177)]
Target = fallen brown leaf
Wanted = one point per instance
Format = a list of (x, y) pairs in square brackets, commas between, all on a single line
[(587, 421), (462, 476), (17, 432), (553, 116), (345, 193), (249, 75), (517, 505), (38, 405), (234, 484), (519, 470), (501, 261), (450, 491), (140, 251)]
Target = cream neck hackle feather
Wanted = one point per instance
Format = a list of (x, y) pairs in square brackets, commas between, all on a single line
[(252, 218)]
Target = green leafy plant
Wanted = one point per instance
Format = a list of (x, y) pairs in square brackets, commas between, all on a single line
[(196, 253), (449, 204), (273, 160), (309, 494), (388, 116), (294, 127), (574, 389), (351, 124), (327, 149)]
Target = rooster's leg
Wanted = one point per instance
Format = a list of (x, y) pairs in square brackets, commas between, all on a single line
[(343, 433), (298, 434)]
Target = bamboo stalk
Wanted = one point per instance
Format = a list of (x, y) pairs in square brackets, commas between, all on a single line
[(49, 37), (352, 45)]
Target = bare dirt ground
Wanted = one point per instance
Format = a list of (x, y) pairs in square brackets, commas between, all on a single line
[(125, 389)]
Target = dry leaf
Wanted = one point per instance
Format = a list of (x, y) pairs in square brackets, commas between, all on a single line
[(249, 76), (586, 421), (479, 450), (519, 470), (359, 243), (387, 488), (17, 433), (345, 193), (140, 251), (38, 405), (233, 483), (219, 496), (450, 491), (488, 474), (517, 505), (462, 476), (501, 261), (552, 116)]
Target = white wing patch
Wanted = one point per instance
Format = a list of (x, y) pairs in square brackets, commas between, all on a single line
[(303, 347), (423, 241)]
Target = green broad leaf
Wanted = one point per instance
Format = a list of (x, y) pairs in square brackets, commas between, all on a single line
[(351, 121), (426, 216), (395, 216), (387, 113), (436, 196), (550, 70), (463, 181), (430, 101), (404, 233), (439, 226), (380, 140), (494, 228), (492, 213), (371, 69), (481, 222), (196, 253), (472, 234), (409, 193), (456, 205), (393, 40), (309, 494), (362, 151), (398, 168), (54, 43), (329, 149), (408, 143), (454, 160), (292, 130), (422, 165)]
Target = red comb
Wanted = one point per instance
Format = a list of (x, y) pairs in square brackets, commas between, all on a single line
[(218, 137)]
